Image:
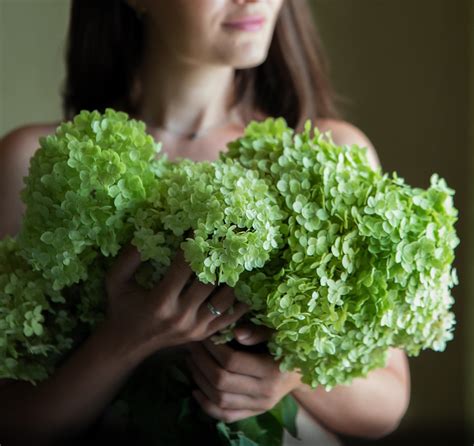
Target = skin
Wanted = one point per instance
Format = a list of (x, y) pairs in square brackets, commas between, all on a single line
[(187, 76), (185, 85)]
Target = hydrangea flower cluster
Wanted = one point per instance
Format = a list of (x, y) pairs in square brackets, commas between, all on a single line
[(340, 260), (83, 184), (233, 219), (367, 264), (32, 338)]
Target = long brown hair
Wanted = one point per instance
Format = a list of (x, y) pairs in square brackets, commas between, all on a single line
[(105, 47)]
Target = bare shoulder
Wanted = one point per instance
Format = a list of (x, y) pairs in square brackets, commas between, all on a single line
[(19, 145), (343, 132), (16, 149), (25, 137)]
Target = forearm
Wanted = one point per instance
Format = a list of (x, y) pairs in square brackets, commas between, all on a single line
[(69, 401), (370, 407)]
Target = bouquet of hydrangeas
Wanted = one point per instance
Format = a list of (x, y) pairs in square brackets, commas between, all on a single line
[(340, 260)]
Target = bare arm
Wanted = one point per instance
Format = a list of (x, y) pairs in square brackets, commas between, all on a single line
[(16, 149), (371, 407), (89, 378)]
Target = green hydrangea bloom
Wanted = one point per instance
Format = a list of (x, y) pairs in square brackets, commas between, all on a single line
[(83, 184), (340, 260), (367, 264)]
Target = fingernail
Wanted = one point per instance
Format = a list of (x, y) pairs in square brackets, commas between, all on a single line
[(243, 334)]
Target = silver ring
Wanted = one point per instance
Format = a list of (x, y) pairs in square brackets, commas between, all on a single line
[(213, 309)]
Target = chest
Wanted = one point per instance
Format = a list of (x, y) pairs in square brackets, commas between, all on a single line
[(205, 148)]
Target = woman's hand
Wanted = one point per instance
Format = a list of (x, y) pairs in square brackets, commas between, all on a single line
[(234, 384), (172, 313)]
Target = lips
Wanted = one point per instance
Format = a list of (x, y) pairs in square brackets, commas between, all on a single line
[(252, 23)]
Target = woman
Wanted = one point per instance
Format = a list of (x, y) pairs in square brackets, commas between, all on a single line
[(196, 72)]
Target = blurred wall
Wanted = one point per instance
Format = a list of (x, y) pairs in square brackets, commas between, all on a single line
[(402, 67), (31, 60)]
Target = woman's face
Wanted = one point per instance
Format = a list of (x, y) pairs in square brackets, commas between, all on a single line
[(201, 31)]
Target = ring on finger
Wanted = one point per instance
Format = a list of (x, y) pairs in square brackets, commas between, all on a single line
[(213, 309), (220, 301)]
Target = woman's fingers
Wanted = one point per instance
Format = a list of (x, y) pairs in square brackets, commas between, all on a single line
[(223, 321), (198, 296), (173, 312), (225, 400), (222, 379), (226, 415), (248, 333), (196, 293), (221, 300), (251, 364), (175, 278), (123, 268)]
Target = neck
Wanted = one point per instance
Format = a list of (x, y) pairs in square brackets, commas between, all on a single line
[(182, 95)]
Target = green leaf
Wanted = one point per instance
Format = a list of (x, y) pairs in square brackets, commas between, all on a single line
[(290, 411), (249, 426), (185, 409), (285, 413), (244, 441), (223, 430)]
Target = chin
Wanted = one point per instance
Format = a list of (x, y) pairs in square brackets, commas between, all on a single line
[(246, 60)]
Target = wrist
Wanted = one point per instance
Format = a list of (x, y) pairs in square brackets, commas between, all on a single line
[(301, 387), (118, 343)]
